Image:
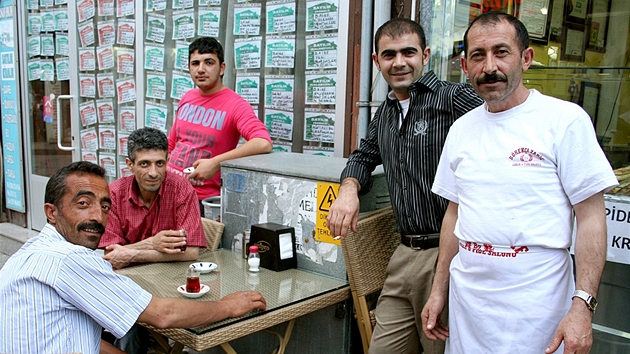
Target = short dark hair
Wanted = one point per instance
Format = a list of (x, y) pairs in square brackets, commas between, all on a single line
[(56, 187), (146, 138), (496, 17), (397, 27), (205, 45)]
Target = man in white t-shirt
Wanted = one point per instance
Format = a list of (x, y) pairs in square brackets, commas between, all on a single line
[(515, 171)]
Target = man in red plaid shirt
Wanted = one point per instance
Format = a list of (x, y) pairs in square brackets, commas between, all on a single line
[(154, 215)]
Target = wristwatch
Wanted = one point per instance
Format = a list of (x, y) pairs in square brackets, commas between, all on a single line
[(591, 303)]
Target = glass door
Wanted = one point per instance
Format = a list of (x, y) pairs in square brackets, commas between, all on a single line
[(50, 129)]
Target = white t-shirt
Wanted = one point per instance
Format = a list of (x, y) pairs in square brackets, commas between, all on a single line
[(516, 174)]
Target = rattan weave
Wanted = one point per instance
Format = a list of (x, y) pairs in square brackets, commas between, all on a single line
[(367, 251), (213, 231), (289, 294), (254, 324)]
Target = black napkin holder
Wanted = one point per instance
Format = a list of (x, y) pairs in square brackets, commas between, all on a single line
[(267, 237)]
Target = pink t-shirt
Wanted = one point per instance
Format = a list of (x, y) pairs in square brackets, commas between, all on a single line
[(206, 126)]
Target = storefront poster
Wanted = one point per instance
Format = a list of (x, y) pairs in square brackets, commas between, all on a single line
[(106, 7), (126, 32), (87, 85), (156, 28), (181, 56), (321, 52), (123, 138), (322, 15), (280, 52), (280, 17), (86, 34), (34, 23), (48, 70), (154, 57), (279, 91), (279, 123), (106, 33), (183, 4), (63, 69), (321, 89), (105, 57), (125, 8), (247, 20), (89, 139), (126, 90), (48, 20), (155, 116), (125, 61), (62, 44), (87, 59), (11, 124), (107, 137), (180, 83), (61, 18), (105, 111), (106, 87), (319, 126), (127, 118), (209, 22), (248, 87), (183, 24), (248, 53), (47, 45), (108, 162), (124, 170), (34, 69), (89, 156), (87, 112), (34, 45), (85, 10), (155, 5), (156, 86)]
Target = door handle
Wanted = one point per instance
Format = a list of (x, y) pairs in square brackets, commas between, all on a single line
[(59, 130)]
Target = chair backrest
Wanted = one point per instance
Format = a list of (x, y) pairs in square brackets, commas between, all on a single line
[(368, 250), (213, 231)]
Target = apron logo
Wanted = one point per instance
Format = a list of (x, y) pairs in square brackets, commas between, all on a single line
[(488, 250)]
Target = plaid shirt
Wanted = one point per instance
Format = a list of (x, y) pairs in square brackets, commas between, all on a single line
[(175, 208)]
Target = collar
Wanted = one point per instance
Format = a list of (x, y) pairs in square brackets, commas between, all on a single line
[(133, 189), (426, 82)]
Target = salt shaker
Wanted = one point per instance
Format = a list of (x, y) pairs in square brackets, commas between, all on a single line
[(253, 259)]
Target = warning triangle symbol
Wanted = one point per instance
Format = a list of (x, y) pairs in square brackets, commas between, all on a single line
[(328, 199)]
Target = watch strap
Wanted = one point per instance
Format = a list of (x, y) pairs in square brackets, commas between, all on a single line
[(590, 301)]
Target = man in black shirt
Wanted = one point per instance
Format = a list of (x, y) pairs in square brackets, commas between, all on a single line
[(406, 135)]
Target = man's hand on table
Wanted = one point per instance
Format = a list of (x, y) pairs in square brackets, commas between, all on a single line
[(242, 302)]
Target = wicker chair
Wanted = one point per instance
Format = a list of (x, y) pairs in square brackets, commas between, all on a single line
[(213, 231), (367, 253)]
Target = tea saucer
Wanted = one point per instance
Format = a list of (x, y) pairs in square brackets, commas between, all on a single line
[(204, 267), (182, 290)]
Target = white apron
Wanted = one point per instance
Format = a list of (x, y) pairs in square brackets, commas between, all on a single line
[(507, 299)]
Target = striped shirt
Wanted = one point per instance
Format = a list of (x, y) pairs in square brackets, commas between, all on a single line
[(56, 297), (410, 152)]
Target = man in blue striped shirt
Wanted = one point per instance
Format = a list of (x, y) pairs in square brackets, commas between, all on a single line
[(57, 294), (406, 135)]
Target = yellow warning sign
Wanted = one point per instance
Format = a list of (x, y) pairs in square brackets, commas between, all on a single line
[(326, 195)]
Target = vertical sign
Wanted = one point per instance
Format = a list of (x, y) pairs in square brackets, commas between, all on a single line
[(11, 136), (326, 195)]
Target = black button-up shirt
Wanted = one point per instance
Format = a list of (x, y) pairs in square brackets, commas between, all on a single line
[(410, 152)]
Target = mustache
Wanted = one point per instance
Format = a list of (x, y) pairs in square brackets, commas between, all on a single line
[(490, 78), (94, 226)]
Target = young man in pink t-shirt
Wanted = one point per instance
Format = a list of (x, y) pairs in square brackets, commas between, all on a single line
[(210, 120)]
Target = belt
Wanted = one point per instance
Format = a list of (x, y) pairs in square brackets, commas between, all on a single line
[(420, 242)]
